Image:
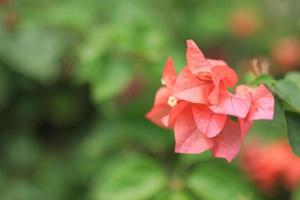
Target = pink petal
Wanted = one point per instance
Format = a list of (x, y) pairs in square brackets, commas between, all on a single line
[(169, 120), (188, 87), (244, 89), (228, 142), (162, 96), (160, 108), (225, 74), (157, 114), (235, 105), (187, 136), (195, 59), (209, 123), (169, 73), (262, 105), (245, 125), (215, 94)]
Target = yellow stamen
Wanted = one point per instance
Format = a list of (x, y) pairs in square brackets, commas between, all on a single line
[(163, 82), (172, 101)]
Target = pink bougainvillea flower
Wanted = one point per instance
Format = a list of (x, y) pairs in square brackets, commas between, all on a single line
[(202, 79), (262, 105), (271, 165), (166, 107), (196, 103)]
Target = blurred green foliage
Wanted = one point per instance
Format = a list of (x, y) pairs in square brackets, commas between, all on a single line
[(77, 77)]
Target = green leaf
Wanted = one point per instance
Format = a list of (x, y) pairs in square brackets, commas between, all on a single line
[(34, 52), (6, 89), (289, 92), (249, 77), (54, 176), (96, 44), (103, 66), (216, 181), (189, 160), (104, 136), (296, 194), (293, 77), (21, 189), (173, 196), (264, 78), (114, 79), (129, 178), (70, 14), (21, 150), (293, 127)]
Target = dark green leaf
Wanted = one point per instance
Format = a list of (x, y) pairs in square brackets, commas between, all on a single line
[(215, 182), (173, 196), (21, 190), (114, 79), (34, 52), (264, 78), (6, 89), (289, 92), (293, 77), (296, 194), (129, 178), (293, 127)]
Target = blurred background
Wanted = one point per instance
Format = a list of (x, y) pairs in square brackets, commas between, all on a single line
[(77, 77)]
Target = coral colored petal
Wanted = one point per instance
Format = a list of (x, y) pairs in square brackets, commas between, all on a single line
[(188, 87), (165, 120), (162, 96), (216, 93), (209, 123), (235, 105), (228, 142), (243, 89), (175, 112), (188, 137), (160, 108), (245, 125), (262, 105), (195, 59), (157, 114), (225, 74), (169, 73)]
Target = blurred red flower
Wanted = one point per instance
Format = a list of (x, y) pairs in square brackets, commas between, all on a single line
[(271, 165), (244, 22), (286, 53)]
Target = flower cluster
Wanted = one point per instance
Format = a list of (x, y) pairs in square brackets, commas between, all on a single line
[(272, 165), (196, 103)]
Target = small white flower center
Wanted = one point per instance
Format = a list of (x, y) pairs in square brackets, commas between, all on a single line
[(172, 101), (163, 82)]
